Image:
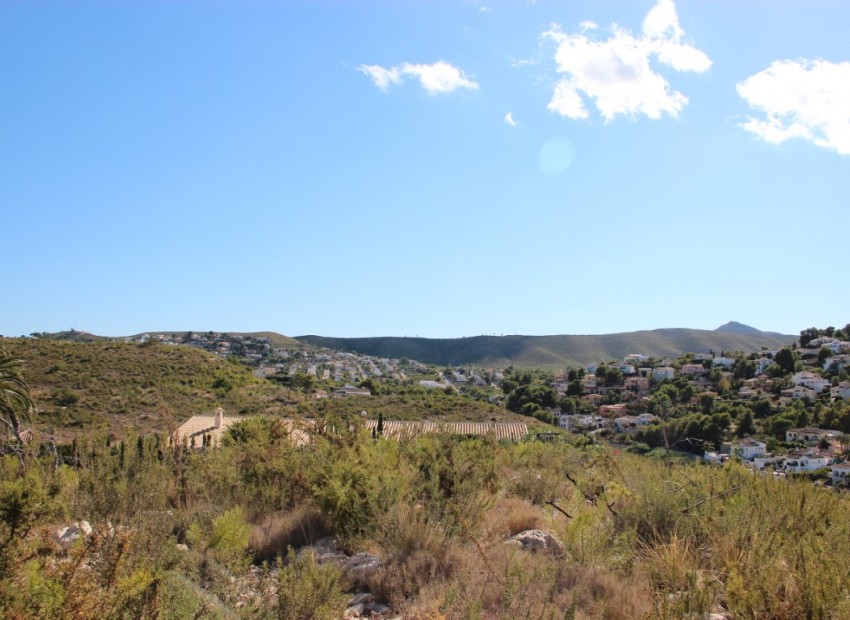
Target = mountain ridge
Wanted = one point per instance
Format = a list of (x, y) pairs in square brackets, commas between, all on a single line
[(557, 350)]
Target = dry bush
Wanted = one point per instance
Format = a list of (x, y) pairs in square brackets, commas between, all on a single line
[(597, 592), (510, 516), (682, 587), (418, 552), (276, 533)]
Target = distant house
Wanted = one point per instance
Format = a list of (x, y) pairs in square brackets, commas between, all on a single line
[(637, 384), (201, 431), (839, 473), (613, 411), (808, 461), (433, 385), (691, 370), (631, 423), (837, 346), (836, 363), (350, 390), (748, 393), (635, 358), (593, 399), (842, 390), (811, 381), (798, 392), (626, 369), (581, 422), (663, 372), (749, 449), (761, 365), (726, 362), (808, 435)]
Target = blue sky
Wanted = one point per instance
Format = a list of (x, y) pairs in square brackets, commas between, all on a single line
[(438, 169)]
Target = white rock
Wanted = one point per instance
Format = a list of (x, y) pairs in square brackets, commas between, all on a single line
[(355, 611), (537, 540), (362, 597), (362, 565)]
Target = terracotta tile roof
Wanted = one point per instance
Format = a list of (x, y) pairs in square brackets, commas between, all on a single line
[(513, 431), (193, 430)]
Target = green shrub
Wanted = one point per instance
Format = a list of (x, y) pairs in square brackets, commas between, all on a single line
[(309, 591)]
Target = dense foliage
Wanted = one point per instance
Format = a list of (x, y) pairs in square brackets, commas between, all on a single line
[(642, 539)]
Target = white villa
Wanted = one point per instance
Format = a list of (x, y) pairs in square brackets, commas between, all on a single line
[(749, 449)]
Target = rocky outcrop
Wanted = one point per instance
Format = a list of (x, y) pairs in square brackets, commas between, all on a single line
[(67, 536)]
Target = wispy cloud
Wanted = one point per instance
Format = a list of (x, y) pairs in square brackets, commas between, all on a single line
[(801, 99), (438, 77), (382, 78), (485, 9), (523, 62), (509, 119), (615, 73)]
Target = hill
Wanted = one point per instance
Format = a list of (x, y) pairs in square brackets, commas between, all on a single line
[(145, 387), (733, 327), (155, 387), (555, 351), (276, 339)]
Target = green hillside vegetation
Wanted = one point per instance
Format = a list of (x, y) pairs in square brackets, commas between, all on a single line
[(553, 351), (154, 387), (143, 387), (638, 538)]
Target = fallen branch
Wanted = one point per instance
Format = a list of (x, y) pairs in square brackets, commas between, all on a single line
[(559, 509)]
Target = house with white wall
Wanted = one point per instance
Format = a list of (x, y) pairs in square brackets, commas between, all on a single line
[(842, 390), (839, 473), (798, 392), (812, 460), (811, 381), (749, 449), (663, 372)]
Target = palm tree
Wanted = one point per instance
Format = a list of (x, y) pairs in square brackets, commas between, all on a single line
[(16, 405)]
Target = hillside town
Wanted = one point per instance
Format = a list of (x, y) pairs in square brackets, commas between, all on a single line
[(783, 411)]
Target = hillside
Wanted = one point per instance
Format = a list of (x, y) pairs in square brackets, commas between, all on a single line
[(555, 351), (146, 387), (153, 387), (276, 339)]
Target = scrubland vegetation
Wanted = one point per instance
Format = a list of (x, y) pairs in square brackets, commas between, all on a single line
[(642, 539)]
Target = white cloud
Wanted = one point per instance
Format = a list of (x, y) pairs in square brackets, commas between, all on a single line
[(381, 77), (566, 101), (662, 21), (485, 9), (509, 119), (588, 25), (438, 77), (616, 74), (801, 99)]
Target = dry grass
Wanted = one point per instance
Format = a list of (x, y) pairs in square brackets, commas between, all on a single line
[(276, 533), (510, 516)]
